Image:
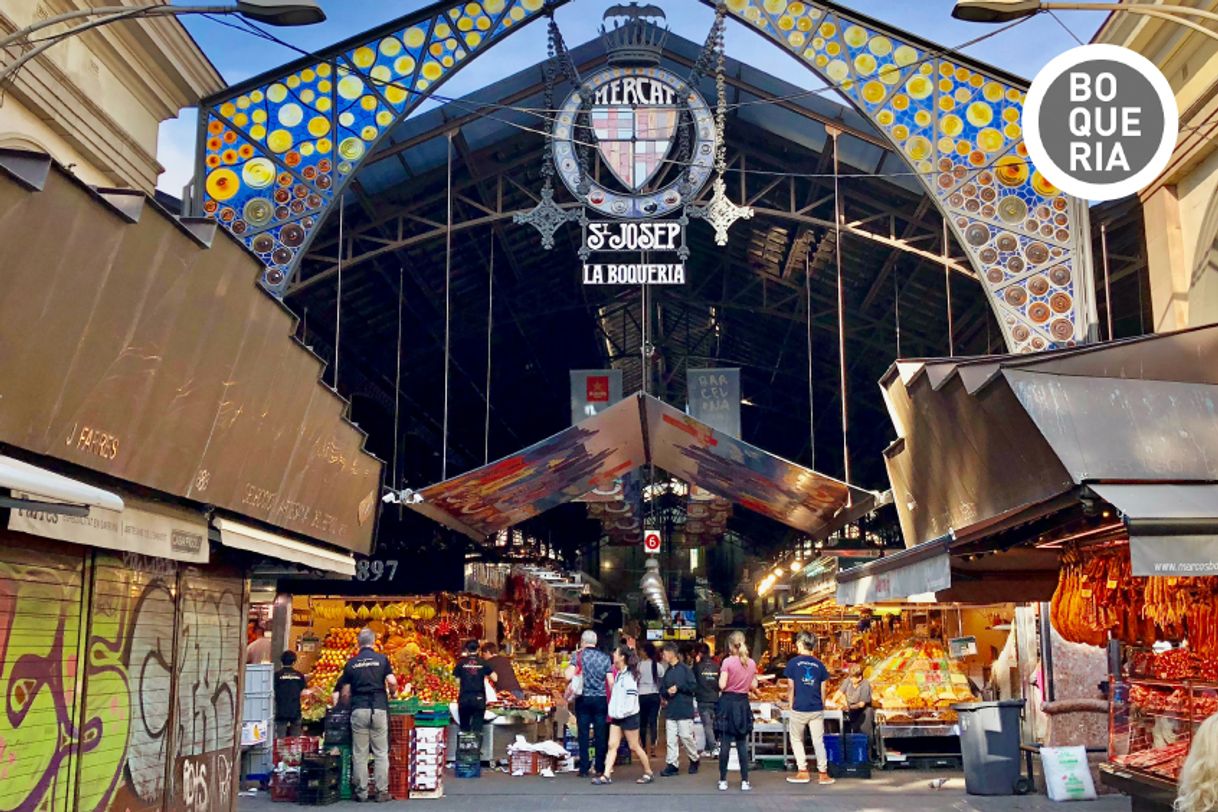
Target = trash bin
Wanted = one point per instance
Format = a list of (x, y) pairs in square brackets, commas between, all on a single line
[(989, 746)]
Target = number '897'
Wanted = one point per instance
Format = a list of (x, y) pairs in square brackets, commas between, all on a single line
[(375, 570)]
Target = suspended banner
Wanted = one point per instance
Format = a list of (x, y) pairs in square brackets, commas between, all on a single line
[(593, 391), (590, 456), (714, 398)]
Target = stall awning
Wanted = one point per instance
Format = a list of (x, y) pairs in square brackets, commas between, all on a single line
[(917, 571), (1173, 529), (272, 545), (39, 483)]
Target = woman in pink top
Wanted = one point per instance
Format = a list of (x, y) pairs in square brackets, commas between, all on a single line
[(734, 716)]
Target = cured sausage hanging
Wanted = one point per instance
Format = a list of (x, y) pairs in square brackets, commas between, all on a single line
[(1098, 597)]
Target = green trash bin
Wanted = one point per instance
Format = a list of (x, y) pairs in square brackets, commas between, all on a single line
[(989, 746)]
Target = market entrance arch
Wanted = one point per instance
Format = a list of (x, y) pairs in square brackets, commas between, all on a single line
[(276, 153)]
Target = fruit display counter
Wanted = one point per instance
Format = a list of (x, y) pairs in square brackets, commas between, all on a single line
[(914, 684)]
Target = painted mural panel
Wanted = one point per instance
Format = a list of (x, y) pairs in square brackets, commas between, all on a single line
[(40, 726)]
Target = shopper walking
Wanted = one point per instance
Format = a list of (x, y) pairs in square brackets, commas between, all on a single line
[(624, 717), (706, 672), (734, 716), (472, 672), (677, 688), (586, 674), (368, 680), (651, 671), (289, 684), (806, 677)]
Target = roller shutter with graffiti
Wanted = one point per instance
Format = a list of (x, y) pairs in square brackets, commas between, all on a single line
[(119, 680)]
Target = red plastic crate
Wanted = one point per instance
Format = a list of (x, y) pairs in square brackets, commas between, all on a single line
[(284, 787), (399, 729), (291, 749)]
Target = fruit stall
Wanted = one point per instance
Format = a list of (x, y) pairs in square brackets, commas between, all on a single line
[(1165, 634)]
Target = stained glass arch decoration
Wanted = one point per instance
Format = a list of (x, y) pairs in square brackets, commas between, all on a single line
[(276, 152)]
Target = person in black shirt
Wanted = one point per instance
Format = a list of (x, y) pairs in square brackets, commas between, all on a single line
[(368, 680), (288, 685), (472, 672), (706, 671), (677, 687), (505, 673)]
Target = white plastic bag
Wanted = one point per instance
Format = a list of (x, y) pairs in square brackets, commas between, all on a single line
[(1067, 773)]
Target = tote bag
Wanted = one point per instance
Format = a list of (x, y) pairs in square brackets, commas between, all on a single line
[(575, 688)]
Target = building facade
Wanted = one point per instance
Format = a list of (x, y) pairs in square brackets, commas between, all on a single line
[(1181, 206), (95, 101)]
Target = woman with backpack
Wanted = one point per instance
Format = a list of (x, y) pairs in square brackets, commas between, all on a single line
[(622, 684), (651, 671)]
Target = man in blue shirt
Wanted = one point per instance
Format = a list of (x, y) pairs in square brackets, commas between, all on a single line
[(806, 678), (592, 706)]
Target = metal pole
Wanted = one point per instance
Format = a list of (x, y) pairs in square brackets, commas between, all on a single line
[(811, 391), (338, 296), (1107, 278), (841, 309), (448, 257), (490, 322), (947, 286)]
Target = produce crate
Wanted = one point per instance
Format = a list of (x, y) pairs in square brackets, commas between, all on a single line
[(400, 707), (318, 798), (338, 726), (284, 787), (291, 749), (860, 770), (471, 769), (400, 727), (399, 784), (530, 763), (433, 718)]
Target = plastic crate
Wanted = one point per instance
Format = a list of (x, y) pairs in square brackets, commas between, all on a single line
[(337, 726), (468, 770), (400, 727), (291, 749), (833, 748), (259, 679), (284, 787), (862, 770), (432, 719), (857, 749), (257, 708), (529, 763), (322, 798)]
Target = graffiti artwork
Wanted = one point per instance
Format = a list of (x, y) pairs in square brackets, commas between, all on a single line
[(87, 684)]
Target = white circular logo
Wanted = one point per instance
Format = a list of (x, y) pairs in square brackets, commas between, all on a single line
[(1100, 122)]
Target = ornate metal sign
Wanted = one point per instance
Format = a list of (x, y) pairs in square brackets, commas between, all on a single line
[(636, 143)]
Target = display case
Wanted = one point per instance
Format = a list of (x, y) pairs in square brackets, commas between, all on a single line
[(1151, 722), (1155, 707)]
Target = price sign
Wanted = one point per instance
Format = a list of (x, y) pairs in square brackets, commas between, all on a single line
[(651, 541)]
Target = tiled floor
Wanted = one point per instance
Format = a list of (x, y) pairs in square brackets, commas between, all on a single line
[(898, 791)]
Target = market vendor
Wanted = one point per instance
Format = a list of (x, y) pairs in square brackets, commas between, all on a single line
[(289, 685), (856, 701), (472, 672), (505, 672)]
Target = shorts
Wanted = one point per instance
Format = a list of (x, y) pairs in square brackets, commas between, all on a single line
[(631, 722)]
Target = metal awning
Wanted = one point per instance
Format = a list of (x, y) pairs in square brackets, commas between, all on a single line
[(1173, 529), (904, 576), (39, 483), (256, 540)]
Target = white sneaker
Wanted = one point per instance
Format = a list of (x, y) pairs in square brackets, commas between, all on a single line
[(723, 786), (745, 786)]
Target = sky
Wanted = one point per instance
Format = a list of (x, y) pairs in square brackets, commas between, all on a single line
[(1022, 50)]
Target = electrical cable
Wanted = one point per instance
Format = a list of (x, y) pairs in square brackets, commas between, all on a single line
[(397, 388), (841, 319), (490, 323), (338, 295)]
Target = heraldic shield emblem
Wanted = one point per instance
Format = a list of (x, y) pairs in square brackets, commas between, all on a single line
[(634, 140)]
